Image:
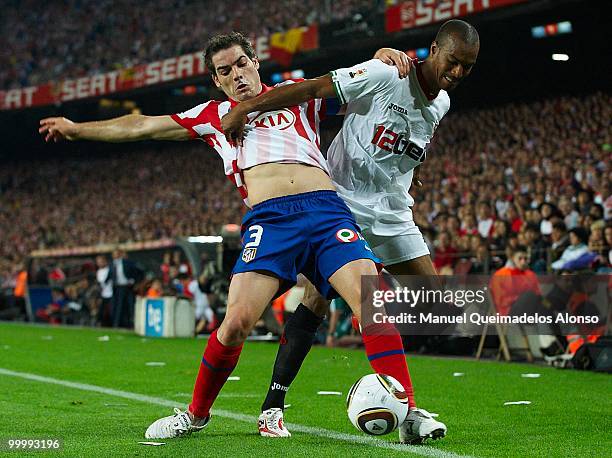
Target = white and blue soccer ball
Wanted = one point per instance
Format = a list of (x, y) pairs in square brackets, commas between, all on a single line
[(377, 404)]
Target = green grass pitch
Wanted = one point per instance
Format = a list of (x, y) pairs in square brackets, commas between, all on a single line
[(569, 415)]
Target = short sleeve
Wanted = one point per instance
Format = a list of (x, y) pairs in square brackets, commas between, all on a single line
[(363, 79), (199, 120)]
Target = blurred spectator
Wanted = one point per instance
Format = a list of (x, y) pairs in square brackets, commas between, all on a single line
[(570, 215), (515, 288), (537, 248), (516, 222), (584, 201), (19, 293), (183, 278), (468, 224), (106, 291), (596, 212), (499, 236), (165, 268), (205, 317), (444, 254), (52, 313), (156, 289), (40, 274), (480, 263), (13, 306), (578, 246), (78, 302), (547, 213), (124, 274), (485, 220), (559, 239)]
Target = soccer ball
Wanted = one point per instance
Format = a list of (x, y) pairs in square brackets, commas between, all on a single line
[(377, 404)]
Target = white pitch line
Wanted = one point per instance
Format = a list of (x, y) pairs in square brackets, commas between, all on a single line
[(321, 432)]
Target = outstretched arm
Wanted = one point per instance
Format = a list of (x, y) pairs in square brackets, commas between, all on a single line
[(123, 129), (279, 97)]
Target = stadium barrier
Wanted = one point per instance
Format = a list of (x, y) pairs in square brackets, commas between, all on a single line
[(164, 317)]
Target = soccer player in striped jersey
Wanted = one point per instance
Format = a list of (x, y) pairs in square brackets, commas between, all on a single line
[(296, 223), (388, 124)]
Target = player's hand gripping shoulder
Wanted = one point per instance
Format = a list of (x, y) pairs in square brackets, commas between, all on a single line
[(395, 58)]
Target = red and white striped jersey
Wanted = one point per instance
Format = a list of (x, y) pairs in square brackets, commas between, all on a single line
[(289, 135)]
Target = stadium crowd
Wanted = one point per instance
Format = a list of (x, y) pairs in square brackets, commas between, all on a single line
[(88, 290), (147, 195), (535, 175), (91, 37)]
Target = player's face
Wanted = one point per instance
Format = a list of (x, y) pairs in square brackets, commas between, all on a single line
[(237, 75), (453, 61)]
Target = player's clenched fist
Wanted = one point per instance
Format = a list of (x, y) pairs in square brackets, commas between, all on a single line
[(57, 129), (232, 125)]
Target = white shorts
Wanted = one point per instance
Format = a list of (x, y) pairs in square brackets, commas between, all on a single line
[(397, 248), (393, 236)]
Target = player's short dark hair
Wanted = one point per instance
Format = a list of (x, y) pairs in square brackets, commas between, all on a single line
[(226, 41), (457, 29)]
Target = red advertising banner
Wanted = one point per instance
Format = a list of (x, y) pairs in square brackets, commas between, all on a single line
[(417, 13), (175, 68)]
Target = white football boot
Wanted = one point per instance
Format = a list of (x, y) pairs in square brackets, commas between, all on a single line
[(420, 425), (271, 424), (179, 424)]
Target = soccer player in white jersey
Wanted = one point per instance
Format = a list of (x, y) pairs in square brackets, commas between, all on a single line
[(296, 224), (388, 124)]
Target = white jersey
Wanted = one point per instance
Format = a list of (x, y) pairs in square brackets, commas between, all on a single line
[(388, 124), (289, 135), (106, 286)]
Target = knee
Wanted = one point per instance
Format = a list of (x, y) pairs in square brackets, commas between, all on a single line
[(316, 303), (235, 329)]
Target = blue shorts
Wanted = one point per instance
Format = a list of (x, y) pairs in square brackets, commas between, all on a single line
[(313, 233)]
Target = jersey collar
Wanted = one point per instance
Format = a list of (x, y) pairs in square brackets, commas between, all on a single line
[(264, 89), (424, 86)]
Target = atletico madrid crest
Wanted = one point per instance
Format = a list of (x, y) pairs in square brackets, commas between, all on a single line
[(248, 254)]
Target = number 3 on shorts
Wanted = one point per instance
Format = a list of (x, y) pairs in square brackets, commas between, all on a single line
[(255, 232)]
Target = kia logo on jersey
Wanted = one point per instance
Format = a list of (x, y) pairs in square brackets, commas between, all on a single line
[(280, 119)]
